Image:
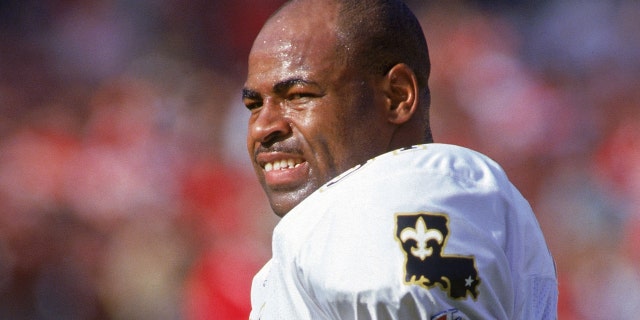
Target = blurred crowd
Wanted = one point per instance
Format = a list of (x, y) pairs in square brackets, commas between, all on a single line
[(126, 191)]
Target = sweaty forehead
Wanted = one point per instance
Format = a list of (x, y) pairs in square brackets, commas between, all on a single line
[(306, 13), (297, 37), (298, 22)]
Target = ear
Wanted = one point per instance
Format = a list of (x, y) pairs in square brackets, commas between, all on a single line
[(402, 93)]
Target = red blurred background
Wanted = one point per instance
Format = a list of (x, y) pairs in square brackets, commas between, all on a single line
[(125, 189)]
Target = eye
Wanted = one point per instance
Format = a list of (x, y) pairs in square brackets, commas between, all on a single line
[(301, 97), (296, 96), (252, 104), (251, 99)]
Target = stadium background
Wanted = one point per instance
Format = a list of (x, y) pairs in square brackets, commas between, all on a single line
[(125, 190)]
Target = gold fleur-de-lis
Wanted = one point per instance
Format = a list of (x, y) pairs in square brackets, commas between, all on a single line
[(421, 234)]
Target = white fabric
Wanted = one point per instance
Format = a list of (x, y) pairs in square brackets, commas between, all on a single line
[(339, 253)]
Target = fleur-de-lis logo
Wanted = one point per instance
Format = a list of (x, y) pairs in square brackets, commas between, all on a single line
[(422, 235)]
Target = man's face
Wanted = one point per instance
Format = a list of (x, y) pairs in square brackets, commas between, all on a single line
[(312, 117)]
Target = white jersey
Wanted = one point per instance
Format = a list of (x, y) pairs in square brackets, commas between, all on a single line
[(430, 232)]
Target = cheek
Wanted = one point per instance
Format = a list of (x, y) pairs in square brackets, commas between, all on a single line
[(337, 144), (363, 133), (323, 136)]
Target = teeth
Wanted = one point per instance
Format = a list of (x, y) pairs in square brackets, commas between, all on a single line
[(281, 165)]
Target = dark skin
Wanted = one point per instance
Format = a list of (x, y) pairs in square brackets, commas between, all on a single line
[(313, 118)]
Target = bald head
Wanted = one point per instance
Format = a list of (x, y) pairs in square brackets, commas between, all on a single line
[(292, 27), (370, 35), (377, 34)]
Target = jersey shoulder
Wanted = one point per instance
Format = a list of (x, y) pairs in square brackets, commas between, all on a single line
[(462, 164)]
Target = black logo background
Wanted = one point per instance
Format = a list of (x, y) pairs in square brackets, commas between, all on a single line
[(456, 274)]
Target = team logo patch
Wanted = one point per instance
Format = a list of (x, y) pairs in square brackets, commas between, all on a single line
[(423, 237)]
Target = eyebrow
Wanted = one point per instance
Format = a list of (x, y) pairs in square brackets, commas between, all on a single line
[(278, 88), (285, 85), (250, 94)]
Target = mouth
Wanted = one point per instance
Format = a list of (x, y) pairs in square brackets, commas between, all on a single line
[(283, 164), (282, 171)]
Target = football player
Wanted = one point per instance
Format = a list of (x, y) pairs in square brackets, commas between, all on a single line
[(378, 222)]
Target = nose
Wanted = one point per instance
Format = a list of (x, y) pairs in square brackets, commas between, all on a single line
[(269, 124)]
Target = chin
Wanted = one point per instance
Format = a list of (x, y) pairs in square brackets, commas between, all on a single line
[(280, 210), (284, 200), (282, 204)]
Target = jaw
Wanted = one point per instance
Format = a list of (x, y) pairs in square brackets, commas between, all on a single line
[(286, 188), (281, 203), (284, 200), (286, 181)]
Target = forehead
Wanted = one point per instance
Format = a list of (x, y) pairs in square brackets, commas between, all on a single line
[(298, 41)]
